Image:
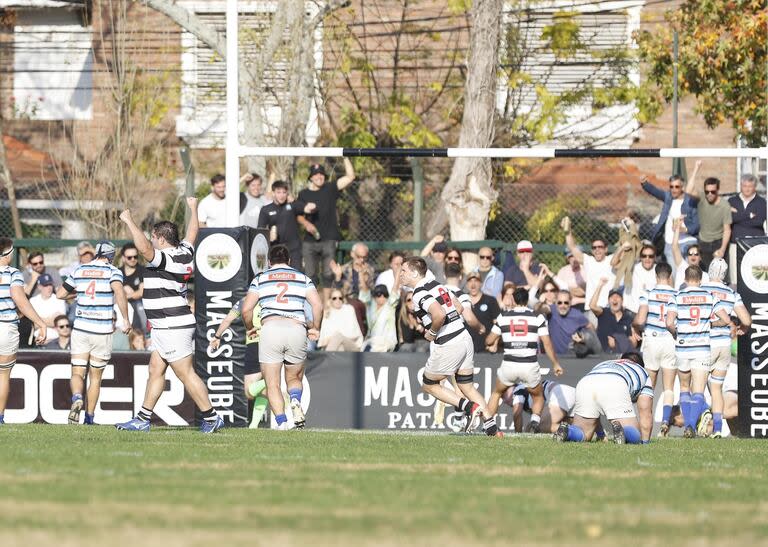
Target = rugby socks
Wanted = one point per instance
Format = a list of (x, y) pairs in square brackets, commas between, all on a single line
[(490, 427), (685, 408), (535, 418), (256, 388), (717, 422), (88, 419), (259, 407), (600, 433), (465, 405), (2, 418), (575, 434), (294, 393), (631, 434), (666, 413), (280, 419), (77, 397), (209, 415), (698, 405), (144, 414)]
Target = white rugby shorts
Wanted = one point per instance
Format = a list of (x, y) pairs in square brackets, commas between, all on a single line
[(282, 341), (564, 397), (9, 339), (97, 346), (720, 359), (527, 374), (605, 394), (173, 344), (451, 357), (659, 352), (731, 382)]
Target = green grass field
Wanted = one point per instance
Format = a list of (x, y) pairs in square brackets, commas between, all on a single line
[(96, 486)]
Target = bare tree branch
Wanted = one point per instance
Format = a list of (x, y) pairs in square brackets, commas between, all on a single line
[(191, 23)]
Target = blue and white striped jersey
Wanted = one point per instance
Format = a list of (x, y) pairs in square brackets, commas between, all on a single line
[(657, 299), (638, 381), (282, 292), (9, 277), (95, 298), (694, 307), (728, 299)]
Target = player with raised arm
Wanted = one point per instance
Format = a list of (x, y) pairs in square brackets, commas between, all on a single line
[(658, 344), (170, 263), (13, 300), (689, 319), (281, 292), (521, 329), (610, 389), (98, 284), (451, 352), (720, 342)]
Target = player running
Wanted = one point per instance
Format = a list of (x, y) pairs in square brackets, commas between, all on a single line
[(720, 342), (281, 292), (451, 352), (170, 263), (689, 319), (521, 329), (610, 389), (98, 285), (558, 404), (12, 301), (658, 344)]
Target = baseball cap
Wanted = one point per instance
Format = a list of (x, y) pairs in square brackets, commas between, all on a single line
[(475, 275), (440, 247), (45, 280), (524, 246), (620, 292), (105, 249), (315, 169)]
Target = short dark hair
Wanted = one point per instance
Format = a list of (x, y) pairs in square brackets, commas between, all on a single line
[(693, 273), (127, 247), (417, 264), (663, 270), (279, 184), (254, 176), (395, 254), (33, 255), (279, 254), (59, 318), (712, 181), (693, 246), (168, 231), (601, 240), (452, 270), (217, 178), (633, 356), (648, 246), (520, 296), (5, 244), (674, 178)]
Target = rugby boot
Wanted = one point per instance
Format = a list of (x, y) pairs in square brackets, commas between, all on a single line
[(473, 418), (533, 427), (689, 432), (299, 420), (618, 433), (663, 430), (74, 412), (212, 426), (704, 420), (136, 424)]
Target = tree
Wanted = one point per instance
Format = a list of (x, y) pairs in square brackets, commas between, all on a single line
[(7, 21), (722, 60)]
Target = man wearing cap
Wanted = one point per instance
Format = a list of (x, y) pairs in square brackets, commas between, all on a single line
[(35, 268), (614, 323), (320, 246), (433, 254), (493, 279), (12, 301), (212, 211), (572, 276), (521, 270), (98, 285), (48, 306)]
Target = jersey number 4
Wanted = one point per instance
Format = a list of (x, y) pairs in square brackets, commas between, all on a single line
[(91, 289)]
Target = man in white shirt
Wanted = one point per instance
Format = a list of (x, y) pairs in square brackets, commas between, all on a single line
[(47, 306), (643, 276), (387, 277), (212, 211)]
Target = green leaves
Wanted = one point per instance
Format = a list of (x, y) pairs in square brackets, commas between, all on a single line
[(562, 36)]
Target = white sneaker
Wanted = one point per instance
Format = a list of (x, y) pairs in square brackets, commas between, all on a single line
[(298, 414)]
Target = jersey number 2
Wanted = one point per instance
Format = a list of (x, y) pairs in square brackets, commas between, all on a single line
[(281, 299)]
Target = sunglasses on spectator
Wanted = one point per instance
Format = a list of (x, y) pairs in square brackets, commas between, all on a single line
[(648, 256), (64, 326), (598, 246), (674, 186), (453, 257), (713, 192), (131, 257), (336, 298), (693, 254), (548, 290), (563, 302), (486, 257)]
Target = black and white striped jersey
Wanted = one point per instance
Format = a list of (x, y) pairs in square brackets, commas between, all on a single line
[(520, 329), (424, 295), (461, 296), (165, 287)]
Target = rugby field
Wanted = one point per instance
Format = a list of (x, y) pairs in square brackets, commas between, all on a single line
[(96, 486)]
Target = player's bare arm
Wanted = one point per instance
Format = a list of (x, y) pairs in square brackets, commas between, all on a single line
[(215, 341), (549, 350), (143, 245), (251, 299), (122, 304), (438, 319), (194, 224), (22, 303), (672, 323)]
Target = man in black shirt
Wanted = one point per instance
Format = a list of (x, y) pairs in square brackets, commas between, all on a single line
[(320, 245), (280, 218), (133, 284), (486, 309)]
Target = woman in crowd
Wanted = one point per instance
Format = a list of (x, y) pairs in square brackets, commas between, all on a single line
[(547, 297), (340, 330)]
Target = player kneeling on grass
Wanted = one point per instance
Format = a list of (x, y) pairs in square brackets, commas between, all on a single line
[(12, 301), (558, 404), (610, 389), (520, 330), (451, 352), (253, 380), (98, 285), (281, 292)]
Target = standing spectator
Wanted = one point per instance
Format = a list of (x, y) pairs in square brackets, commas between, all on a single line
[(493, 279), (614, 323), (643, 277), (572, 276), (47, 306), (85, 254), (387, 277), (354, 277), (677, 204), (692, 258), (596, 265), (410, 331), (434, 255), (340, 331), (521, 269), (748, 215), (212, 212), (252, 200), (570, 329), (133, 284), (486, 309), (64, 329), (35, 268), (320, 243), (382, 320), (280, 217), (714, 218)]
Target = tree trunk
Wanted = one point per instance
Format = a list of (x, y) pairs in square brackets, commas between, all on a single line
[(5, 173), (468, 196)]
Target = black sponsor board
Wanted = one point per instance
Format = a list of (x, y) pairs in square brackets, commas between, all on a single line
[(752, 260)]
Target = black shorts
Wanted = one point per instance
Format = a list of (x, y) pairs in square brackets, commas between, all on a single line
[(252, 365)]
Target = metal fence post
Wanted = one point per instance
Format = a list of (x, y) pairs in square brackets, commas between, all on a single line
[(418, 197), (189, 170)]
